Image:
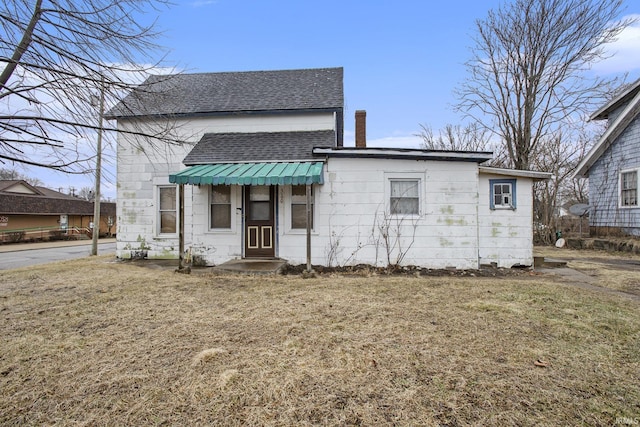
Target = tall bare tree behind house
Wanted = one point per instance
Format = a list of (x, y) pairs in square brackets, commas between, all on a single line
[(528, 74)]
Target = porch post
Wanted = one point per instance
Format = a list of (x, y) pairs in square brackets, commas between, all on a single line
[(309, 218), (181, 226)]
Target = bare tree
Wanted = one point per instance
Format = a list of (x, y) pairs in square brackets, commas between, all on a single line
[(86, 193), (12, 174), (471, 137), (558, 155), (527, 75), (58, 56)]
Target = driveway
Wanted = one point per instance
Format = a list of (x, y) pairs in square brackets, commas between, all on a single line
[(588, 278)]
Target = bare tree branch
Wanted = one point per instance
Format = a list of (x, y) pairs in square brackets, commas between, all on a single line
[(528, 71), (55, 56)]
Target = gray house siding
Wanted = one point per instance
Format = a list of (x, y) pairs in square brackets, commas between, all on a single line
[(604, 182)]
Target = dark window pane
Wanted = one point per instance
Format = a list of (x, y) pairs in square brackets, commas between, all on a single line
[(298, 190), (167, 222), (260, 211), (220, 216), (167, 198), (299, 216)]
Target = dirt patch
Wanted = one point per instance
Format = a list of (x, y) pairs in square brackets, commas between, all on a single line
[(411, 270)]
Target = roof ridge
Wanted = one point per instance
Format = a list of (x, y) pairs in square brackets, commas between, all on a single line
[(251, 71)]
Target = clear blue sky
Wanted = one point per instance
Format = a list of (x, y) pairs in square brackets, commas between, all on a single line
[(402, 59)]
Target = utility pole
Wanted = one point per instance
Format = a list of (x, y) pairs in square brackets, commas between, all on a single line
[(96, 199)]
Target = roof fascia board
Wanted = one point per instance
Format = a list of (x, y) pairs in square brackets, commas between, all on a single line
[(224, 162), (537, 175), (224, 113), (599, 114), (400, 153), (613, 131)]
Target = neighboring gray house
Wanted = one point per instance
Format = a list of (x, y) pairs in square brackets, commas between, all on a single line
[(263, 158), (613, 166)]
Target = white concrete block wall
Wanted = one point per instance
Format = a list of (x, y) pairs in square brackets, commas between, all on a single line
[(142, 166), (213, 247), (455, 227), (354, 199), (506, 236)]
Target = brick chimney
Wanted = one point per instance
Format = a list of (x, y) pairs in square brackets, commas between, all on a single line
[(361, 128)]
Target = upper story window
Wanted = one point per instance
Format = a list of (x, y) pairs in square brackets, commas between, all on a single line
[(220, 212), (167, 214), (404, 196), (629, 188), (299, 206), (503, 193)]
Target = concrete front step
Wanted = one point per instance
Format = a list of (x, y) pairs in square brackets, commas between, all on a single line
[(542, 262)]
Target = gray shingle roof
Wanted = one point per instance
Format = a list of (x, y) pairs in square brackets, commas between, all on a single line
[(228, 92), (261, 146), (13, 203), (46, 201)]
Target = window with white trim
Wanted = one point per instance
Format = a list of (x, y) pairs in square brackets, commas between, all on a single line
[(503, 193), (167, 213), (220, 207), (629, 188), (404, 196), (299, 206)]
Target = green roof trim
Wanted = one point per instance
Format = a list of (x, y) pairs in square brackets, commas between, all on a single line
[(255, 173)]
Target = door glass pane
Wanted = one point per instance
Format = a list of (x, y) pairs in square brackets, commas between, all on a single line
[(259, 194), (260, 211)]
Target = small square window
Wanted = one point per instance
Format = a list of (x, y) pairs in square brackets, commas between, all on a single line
[(503, 193), (404, 197)]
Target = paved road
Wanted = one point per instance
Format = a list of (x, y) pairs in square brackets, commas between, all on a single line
[(41, 255)]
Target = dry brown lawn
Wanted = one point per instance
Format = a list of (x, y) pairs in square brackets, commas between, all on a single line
[(98, 342)]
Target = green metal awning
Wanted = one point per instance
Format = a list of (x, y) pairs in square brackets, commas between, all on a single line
[(256, 173)]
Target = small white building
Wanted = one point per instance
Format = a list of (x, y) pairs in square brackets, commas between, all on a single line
[(263, 151)]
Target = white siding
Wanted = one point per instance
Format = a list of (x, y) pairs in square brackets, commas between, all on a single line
[(506, 236)]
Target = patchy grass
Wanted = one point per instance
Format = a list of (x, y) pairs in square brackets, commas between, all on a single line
[(94, 342)]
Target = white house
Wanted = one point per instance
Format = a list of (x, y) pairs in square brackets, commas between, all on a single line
[(263, 152)]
